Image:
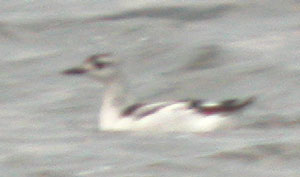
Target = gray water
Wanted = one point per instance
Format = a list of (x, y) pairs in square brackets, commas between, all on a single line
[(170, 50)]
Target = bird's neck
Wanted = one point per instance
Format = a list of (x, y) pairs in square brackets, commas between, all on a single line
[(113, 101)]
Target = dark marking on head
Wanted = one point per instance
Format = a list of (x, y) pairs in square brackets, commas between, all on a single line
[(101, 65), (96, 61), (131, 109), (94, 58)]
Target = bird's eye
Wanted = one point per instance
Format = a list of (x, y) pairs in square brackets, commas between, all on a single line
[(101, 65)]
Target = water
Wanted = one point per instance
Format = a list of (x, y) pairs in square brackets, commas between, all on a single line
[(170, 50)]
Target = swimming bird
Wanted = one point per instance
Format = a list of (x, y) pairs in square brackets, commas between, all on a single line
[(118, 114)]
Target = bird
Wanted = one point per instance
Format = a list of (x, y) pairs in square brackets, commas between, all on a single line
[(118, 113)]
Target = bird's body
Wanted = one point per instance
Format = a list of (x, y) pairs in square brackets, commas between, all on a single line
[(162, 116), (117, 114)]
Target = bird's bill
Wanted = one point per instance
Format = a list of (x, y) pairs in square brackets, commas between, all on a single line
[(76, 71)]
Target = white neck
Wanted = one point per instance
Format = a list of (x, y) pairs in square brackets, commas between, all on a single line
[(113, 101)]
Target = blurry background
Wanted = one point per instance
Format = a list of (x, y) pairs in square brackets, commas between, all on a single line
[(170, 49)]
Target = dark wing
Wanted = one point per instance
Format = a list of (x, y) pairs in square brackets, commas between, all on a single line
[(130, 110), (220, 107), (141, 110)]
